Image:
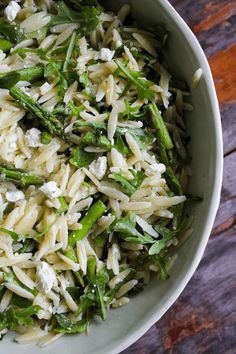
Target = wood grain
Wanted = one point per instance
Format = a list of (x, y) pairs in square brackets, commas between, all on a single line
[(222, 14), (203, 320), (223, 66)]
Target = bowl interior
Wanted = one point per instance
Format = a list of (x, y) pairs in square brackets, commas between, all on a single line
[(126, 324)]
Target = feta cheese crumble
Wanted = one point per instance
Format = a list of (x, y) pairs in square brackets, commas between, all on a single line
[(42, 301), (106, 54), (12, 10), (45, 277), (155, 168), (98, 167), (32, 137), (14, 196), (51, 190)]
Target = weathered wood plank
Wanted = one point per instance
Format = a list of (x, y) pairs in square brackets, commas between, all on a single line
[(218, 38), (222, 13), (202, 15), (227, 210), (223, 66), (214, 25), (228, 114)]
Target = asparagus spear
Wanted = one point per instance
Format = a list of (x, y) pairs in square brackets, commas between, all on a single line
[(87, 222), (48, 120), (46, 138), (158, 123), (19, 176), (28, 74)]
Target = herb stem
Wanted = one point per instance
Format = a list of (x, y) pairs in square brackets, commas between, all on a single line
[(69, 52)]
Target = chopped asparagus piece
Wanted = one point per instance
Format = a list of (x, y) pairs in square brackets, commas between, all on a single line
[(48, 120), (158, 123), (19, 176), (87, 222)]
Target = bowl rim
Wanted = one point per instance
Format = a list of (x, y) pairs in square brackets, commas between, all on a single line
[(135, 334)]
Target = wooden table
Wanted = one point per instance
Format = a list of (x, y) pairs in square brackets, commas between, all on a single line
[(203, 320)]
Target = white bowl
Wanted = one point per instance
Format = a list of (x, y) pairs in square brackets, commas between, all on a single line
[(125, 325)]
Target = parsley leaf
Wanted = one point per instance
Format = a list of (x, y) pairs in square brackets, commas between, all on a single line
[(81, 158), (130, 185), (93, 139), (127, 230), (160, 262), (94, 296), (12, 32), (161, 244), (64, 325), (13, 317), (131, 112), (86, 18), (18, 237), (142, 85)]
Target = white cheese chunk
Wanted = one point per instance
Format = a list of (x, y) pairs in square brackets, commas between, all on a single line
[(155, 168), (45, 277), (106, 54), (12, 10), (98, 167), (14, 196), (51, 190), (42, 301), (11, 140), (32, 137)]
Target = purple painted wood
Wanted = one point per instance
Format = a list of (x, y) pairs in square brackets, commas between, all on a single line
[(203, 320)]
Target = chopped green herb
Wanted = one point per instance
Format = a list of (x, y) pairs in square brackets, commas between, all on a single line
[(8, 80), (12, 317), (131, 185), (87, 19), (142, 85), (12, 32), (93, 139), (5, 45), (81, 158), (126, 227)]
